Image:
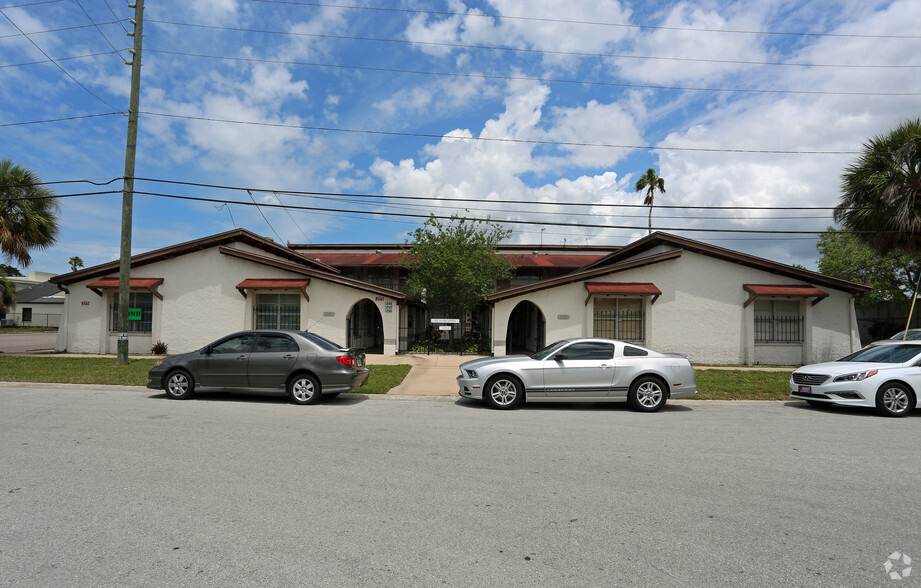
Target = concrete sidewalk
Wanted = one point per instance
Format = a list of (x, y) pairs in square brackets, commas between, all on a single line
[(431, 375)]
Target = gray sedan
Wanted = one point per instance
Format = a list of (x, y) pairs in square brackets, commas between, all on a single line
[(580, 370), (303, 365)]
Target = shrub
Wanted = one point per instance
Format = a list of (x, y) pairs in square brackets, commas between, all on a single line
[(158, 348)]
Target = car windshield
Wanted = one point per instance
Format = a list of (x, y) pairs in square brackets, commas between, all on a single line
[(912, 336), (549, 350), (885, 354), (322, 342)]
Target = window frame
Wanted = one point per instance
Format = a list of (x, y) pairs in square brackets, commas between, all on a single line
[(775, 328)]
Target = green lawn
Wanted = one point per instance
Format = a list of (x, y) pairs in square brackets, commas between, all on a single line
[(712, 384), (105, 370)]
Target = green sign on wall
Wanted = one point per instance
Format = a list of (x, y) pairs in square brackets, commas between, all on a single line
[(134, 314)]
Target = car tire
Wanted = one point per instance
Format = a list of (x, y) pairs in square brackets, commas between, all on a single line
[(304, 389), (647, 394), (504, 392), (179, 385), (818, 404), (895, 400)]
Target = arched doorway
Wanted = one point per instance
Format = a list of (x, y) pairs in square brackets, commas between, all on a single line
[(365, 327), (526, 329)]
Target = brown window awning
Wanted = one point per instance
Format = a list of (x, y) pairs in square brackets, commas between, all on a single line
[(804, 291), (134, 283), (636, 288), (274, 284)]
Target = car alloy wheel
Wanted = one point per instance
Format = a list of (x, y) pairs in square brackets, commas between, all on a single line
[(895, 400), (646, 394), (504, 392), (179, 385), (304, 389)]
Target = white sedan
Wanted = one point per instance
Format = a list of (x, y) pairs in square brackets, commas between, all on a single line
[(885, 377), (580, 370)]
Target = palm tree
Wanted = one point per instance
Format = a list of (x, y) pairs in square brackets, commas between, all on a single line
[(650, 181), (7, 294), (881, 191), (28, 213), (75, 263)]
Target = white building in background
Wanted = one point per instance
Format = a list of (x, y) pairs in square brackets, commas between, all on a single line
[(670, 293), (38, 302)]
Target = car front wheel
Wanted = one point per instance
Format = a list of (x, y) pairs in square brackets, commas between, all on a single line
[(646, 394), (304, 389), (504, 392), (180, 385), (895, 400)]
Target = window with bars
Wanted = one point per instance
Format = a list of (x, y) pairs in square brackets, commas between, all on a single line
[(278, 311), (140, 304), (620, 318), (778, 321)]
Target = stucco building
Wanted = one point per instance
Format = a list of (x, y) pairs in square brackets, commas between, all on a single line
[(670, 293)]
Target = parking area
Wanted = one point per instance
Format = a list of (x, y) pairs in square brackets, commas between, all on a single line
[(25, 343)]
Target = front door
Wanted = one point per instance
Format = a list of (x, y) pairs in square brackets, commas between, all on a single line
[(580, 370), (227, 363), (272, 359)]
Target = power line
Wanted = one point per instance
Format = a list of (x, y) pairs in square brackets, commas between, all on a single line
[(533, 78), (49, 120), (101, 34), (587, 22), (502, 221), (60, 30), (497, 139), (61, 59), (64, 71), (525, 50)]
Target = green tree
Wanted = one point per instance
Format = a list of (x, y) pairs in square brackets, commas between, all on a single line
[(880, 191), (651, 182), (453, 265), (28, 213), (8, 270), (7, 294), (75, 263), (892, 276)]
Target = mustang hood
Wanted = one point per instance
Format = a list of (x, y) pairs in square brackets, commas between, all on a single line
[(477, 363)]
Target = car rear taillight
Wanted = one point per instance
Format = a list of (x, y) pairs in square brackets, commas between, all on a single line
[(346, 360)]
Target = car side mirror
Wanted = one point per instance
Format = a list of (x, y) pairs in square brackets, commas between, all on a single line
[(560, 357), (206, 350)]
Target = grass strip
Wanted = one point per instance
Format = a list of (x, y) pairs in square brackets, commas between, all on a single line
[(105, 370), (742, 385)]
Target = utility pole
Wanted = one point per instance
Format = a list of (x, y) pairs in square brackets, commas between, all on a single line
[(124, 268)]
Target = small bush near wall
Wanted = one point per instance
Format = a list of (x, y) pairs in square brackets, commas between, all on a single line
[(159, 348)]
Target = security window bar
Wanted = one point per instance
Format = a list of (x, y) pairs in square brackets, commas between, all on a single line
[(278, 311), (141, 300), (620, 318), (778, 321)]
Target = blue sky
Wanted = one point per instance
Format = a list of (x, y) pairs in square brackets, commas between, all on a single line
[(505, 103)]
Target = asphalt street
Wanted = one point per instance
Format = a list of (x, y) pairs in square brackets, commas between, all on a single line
[(106, 486)]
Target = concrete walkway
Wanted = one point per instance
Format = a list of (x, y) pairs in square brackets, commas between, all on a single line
[(431, 375)]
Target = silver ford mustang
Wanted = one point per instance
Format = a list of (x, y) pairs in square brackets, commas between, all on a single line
[(580, 370)]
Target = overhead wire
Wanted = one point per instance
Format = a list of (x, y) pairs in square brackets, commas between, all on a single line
[(64, 71), (530, 78), (586, 22)]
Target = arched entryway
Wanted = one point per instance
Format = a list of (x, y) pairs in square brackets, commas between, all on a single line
[(526, 329), (365, 327)]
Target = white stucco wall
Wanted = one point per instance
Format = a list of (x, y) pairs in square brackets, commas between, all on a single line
[(201, 303), (700, 313)]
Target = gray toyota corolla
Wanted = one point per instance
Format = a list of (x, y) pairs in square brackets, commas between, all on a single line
[(580, 370), (303, 365)]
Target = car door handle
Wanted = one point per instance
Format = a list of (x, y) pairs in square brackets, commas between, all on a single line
[(604, 366), (242, 358), (289, 356)]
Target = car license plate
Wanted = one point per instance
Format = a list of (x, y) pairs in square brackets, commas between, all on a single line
[(805, 389)]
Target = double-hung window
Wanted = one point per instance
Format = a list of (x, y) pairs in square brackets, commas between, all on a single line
[(619, 318), (140, 313), (778, 321), (278, 311)]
